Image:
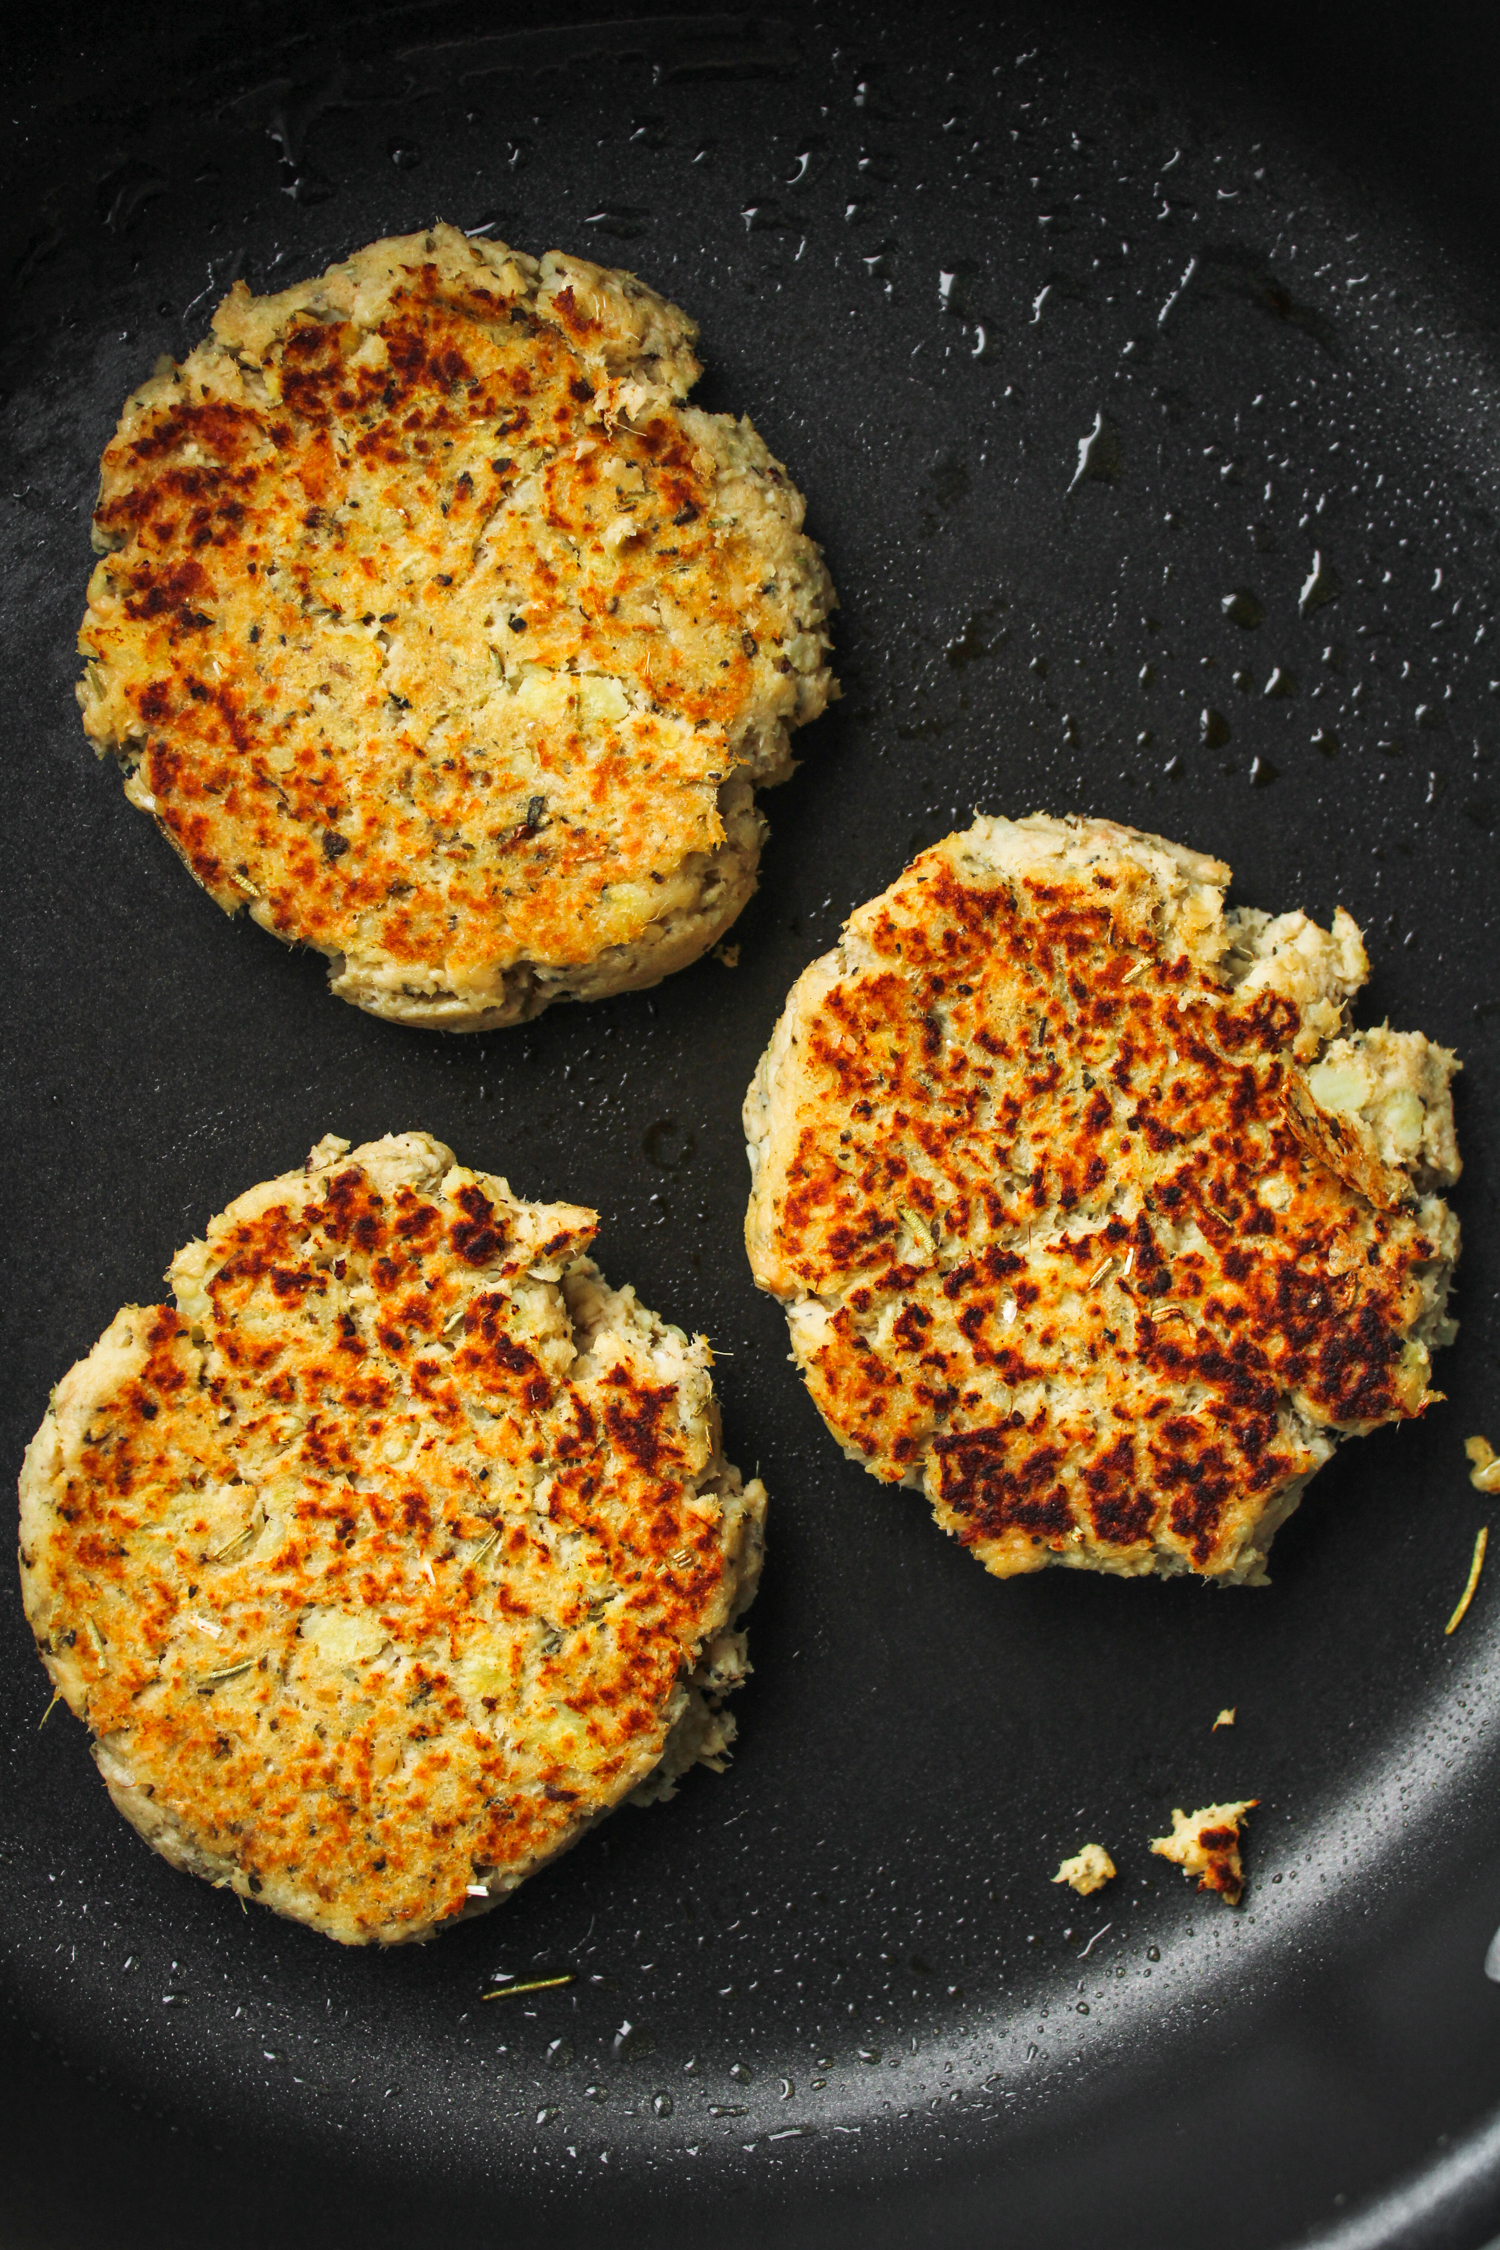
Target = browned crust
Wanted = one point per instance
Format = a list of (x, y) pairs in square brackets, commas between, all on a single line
[(1207, 1845), (1051, 1245), (370, 1587), (436, 631)]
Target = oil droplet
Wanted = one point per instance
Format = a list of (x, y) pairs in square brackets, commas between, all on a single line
[(663, 2104), (310, 187), (1321, 586), (1281, 682), (1262, 773), (968, 646), (1327, 741), (125, 191), (622, 220), (559, 2054), (668, 1145), (1242, 608), (738, 2071), (1213, 729), (1098, 453), (1153, 1953), (949, 481), (868, 2054), (405, 155)]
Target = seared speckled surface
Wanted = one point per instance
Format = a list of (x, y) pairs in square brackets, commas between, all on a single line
[(382, 1562), (433, 628), (1055, 1248)]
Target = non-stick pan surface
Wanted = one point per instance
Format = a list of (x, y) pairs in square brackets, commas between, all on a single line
[(1152, 439)]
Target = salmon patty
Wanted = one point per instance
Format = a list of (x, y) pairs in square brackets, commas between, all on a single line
[(395, 1552), (437, 632), (1092, 1219)]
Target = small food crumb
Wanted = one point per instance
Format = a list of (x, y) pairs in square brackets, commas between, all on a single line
[(1207, 1844), (1087, 1871), (1485, 1474), (729, 955), (1481, 1541), (1225, 1718)]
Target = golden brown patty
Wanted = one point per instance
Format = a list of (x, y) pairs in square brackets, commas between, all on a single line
[(397, 1552), (1087, 1223), (436, 630)]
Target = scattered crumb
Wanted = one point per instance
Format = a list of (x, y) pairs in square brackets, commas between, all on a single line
[(1088, 1870), (1481, 1541), (1207, 1844), (1225, 1718), (729, 955), (1485, 1474)]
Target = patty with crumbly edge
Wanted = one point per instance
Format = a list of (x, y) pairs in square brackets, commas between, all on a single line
[(1092, 1219), (433, 628), (394, 1553)]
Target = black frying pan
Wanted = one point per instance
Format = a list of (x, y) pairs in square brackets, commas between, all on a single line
[(832, 1996)]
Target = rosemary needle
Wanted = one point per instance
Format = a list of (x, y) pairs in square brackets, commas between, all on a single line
[(1481, 1541), (537, 1984)]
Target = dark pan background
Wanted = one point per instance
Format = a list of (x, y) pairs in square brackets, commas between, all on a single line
[(832, 1997)]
